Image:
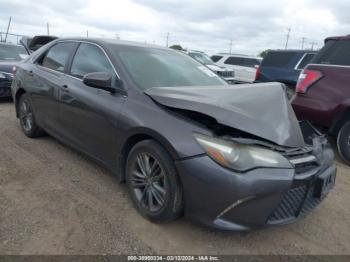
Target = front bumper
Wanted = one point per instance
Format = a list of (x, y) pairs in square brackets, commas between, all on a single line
[(5, 87), (226, 200)]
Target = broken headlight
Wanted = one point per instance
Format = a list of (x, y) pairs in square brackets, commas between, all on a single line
[(240, 157)]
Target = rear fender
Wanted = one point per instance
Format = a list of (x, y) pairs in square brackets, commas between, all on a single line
[(342, 117)]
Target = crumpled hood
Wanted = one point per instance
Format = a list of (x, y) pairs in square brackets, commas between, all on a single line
[(262, 110)]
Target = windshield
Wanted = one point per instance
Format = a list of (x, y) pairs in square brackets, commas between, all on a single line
[(152, 67), (202, 58), (12, 52)]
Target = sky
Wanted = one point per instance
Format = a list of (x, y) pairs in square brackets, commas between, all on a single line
[(206, 25)]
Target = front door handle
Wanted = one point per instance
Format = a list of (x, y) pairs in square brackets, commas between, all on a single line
[(64, 89)]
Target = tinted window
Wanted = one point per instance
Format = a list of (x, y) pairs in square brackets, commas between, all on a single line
[(249, 62), (202, 58), (278, 59), (234, 61), (334, 53), (216, 58), (306, 60), (12, 52), (57, 57), (153, 67), (90, 58)]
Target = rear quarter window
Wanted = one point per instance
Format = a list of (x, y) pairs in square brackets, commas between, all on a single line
[(305, 61), (278, 59), (249, 62), (234, 61), (334, 53)]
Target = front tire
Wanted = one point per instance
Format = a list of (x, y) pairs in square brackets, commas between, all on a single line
[(27, 119), (153, 183), (343, 142)]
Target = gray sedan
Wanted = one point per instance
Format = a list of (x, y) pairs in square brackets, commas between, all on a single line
[(185, 142)]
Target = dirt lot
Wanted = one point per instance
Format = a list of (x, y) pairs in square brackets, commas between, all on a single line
[(55, 201)]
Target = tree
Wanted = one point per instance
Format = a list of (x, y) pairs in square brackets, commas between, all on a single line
[(264, 53), (177, 47)]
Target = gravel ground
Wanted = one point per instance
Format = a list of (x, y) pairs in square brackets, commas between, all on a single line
[(56, 201)]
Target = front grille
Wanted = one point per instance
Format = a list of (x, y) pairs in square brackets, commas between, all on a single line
[(297, 201), (225, 73)]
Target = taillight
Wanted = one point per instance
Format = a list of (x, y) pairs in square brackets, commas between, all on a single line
[(306, 79), (257, 73)]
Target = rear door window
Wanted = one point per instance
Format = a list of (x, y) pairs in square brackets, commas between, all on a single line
[(334, 53), (278, 59), (234, 61), (57, 56), (216, 58)]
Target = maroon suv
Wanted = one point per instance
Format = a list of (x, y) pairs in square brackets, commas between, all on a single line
[(323, 92)]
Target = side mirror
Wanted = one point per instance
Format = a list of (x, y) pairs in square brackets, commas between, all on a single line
[(100, 80)]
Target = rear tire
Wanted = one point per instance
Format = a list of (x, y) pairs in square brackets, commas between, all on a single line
[(27, 118), (153, 183), (343, 142)]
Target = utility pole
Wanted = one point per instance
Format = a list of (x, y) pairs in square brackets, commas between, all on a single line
[(48, 28), (312, 45), (87, 33), (230, 46), (117, 36), (167, 39), (303, 39), (8, 28), (288, 35)]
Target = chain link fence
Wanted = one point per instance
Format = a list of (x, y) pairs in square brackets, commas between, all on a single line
[(10, 38)]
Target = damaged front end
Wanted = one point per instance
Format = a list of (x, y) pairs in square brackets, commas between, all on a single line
[(264, 195), (262, 167)]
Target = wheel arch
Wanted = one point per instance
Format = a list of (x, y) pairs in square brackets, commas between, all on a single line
[(137, 136), (19, 93), (340, 120)]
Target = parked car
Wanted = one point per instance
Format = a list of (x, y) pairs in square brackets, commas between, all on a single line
[(179, 135), (323, 94), (244, 67), (283, 66), (204, 59), (10, 54)]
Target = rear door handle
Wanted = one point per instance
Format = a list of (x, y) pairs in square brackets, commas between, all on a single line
[(65, 86)]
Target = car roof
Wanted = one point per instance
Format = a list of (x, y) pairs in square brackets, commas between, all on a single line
[(237, 55), (345, 37), (107, 41), (291, 50)]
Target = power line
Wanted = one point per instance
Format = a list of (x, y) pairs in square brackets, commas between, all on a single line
[(288, 35)]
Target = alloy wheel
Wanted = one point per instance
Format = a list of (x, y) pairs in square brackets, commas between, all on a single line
[(148, 182), (26, 116)]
